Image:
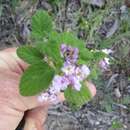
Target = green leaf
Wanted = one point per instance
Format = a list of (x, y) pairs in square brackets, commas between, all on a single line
[(36, 78), (41, 24), (29, 54), (72, 40), (51, 48), (52, 51), (66, 38), (77, 98), (54, 44), (80, 62), (85, 55)]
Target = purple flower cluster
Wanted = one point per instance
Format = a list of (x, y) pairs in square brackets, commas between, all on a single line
[(72, 74), (69, 54)]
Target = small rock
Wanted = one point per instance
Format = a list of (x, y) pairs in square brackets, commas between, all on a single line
[(117, 92), (113, 29), (99, 3), (108, 28)]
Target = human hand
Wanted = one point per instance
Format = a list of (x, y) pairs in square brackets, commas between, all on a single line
[(12, 105)]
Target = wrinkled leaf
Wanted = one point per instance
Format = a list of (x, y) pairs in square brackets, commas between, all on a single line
[(72, 40), (77, 98), (41, 24), (85, 55), (35, 79), (52, 51), (29, 54)]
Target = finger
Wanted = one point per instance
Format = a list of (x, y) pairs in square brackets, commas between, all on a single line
[(11, 62), (91, 88), (33, 101), (36, 118)]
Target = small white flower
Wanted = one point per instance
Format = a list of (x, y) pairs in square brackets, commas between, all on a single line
[(82, 72), (77, 85), (68, 69), (85, 70), (78, 74), (56, 84)]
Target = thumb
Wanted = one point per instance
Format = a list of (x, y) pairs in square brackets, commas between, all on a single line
[(35, 118)]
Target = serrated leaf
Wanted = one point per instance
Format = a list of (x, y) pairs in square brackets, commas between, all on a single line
[(86, 55), (54, 44), (36, 78), (77, 98), (72, 40), (53, 52), (41, 24), (29, 54), (51, 48)]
